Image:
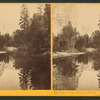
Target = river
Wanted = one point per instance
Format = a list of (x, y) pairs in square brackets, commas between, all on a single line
[(19, 72), (80, 72)]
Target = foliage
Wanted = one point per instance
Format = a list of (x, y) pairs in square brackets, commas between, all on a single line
[(83, 42), (66, 40), (96, 39), (70, 38), (24, 18), (34, 37), (5, 40)]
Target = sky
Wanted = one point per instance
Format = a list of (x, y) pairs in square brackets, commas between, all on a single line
[(85, 17), (10, 15)]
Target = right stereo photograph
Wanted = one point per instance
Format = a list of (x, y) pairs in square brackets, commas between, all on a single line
[(76, 46)]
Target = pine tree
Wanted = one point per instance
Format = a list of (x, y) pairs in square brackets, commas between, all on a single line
[(24, 18), (47, 17), (47, 26)]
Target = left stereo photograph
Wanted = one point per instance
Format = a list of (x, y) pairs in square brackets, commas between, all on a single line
[(25, 46)]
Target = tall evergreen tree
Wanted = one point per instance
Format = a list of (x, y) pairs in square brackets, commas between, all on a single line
[(47, 25), (24, 17)]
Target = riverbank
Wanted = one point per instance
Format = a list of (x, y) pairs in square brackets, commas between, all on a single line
[(2, 52), (64, 54), (72, 52), (8, 50)]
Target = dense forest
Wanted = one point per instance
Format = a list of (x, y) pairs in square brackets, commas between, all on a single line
[(33, 37), (72, 41)]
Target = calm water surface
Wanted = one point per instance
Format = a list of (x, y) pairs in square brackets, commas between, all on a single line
[(80, 72), (19, 72)]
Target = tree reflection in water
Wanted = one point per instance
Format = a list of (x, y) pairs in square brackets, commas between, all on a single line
[(64, 73), (67, 71), (34, 71), (66, 66), (4, 58)]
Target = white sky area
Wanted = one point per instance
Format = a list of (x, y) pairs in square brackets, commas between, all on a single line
[(85, 17), (10, 15)]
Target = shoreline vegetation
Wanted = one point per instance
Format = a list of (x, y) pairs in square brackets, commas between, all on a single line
[(33, 37), (69, 42)]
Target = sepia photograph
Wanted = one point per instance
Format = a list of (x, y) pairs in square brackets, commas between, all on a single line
[(25, 46), (76, 46)]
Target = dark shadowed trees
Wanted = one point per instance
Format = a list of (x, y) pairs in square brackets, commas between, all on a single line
[(34, 36)]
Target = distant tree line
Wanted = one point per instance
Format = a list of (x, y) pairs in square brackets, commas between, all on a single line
[(5, 40), (70, 39)]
